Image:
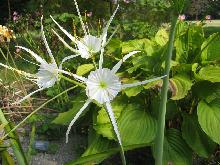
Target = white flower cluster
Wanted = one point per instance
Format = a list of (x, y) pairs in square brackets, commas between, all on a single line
[(102, 85)]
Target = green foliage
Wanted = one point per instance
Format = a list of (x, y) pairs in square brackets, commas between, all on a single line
[(195, 137), (209, 118), (176, 150)]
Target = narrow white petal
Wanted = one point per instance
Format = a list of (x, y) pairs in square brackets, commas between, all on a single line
[(113, 121), (37, 57), (79, 78), (118, 65), (142, 82), (76, 117), (24, 98), (67, 58), (64, 42), (105, 30), (63, 30), (19, 71), (45, 42), (101, 58), (80, 17)]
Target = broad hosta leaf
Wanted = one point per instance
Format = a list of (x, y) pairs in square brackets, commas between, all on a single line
[(176, 150), (103, 125), (162, 37), (83, 69), (195, 137), (206, 90), (140, 44), (133, 118), (136, 126), (210, 73), (209, 118), (65, 117), (211, 48), (180, 85)]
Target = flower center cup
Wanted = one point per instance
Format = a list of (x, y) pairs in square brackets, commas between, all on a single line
[(102, 85)]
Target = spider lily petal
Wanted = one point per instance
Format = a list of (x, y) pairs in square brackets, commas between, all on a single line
[(45, 42), (80, 18), (124, 86), (29, 95), (37, 57), (64, 42), (29, 75), (113, 121), (76, 117), (63, 30), (118, 65), (67, 58), (79, 78)]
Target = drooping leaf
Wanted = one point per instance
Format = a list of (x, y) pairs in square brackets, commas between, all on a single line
[(195, 137), (83, 69), (176, 150), (65, 117), (180, 85), (209, 118), (210, 73)]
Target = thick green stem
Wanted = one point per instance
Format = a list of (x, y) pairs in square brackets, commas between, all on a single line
[(161, 120), (14, 141), (36, 110)]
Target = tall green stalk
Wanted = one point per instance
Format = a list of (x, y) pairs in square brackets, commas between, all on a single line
[(161, 119), (14, 141)]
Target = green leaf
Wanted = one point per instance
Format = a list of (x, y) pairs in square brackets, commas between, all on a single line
[(83, 69), (195, 137), (209, 118), (66, 117), (176, 150), (136, 126), (180, 85), (211, 48), (143, 125), (103, 125), (100, 149), (162, 37), (133, 91), (210, 73)]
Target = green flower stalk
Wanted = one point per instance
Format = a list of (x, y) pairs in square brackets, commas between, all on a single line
[(161, 121)]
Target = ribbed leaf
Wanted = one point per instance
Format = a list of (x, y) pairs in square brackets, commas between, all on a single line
[(176, 150), (210, 73), (195, 137), (83, 69), (209, 118), (135, 125), (180, 85)]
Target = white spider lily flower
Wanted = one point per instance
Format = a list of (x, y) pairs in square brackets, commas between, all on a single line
[(48, 73), (103, 85), (89, 44)]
